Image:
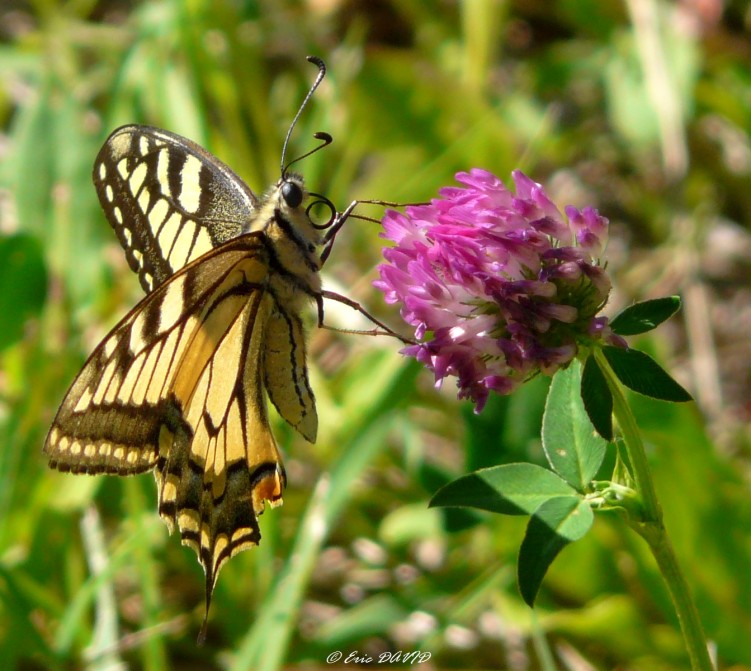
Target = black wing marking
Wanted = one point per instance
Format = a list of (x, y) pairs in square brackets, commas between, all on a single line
[(168, 199)]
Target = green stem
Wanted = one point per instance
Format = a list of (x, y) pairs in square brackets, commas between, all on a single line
[(651, 527)]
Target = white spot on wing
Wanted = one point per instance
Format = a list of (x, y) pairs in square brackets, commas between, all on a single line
[(181, 249), (223, 386), (137, 178), (168, 233), (158, 214), (120, 146), (125, 393), (172, 304), (162, 172), (146, 374), (109, 346), (197, 403), (143, 200), (108, 376), (85, 401), (203, 243), (183, 335), (190, 188), (138, 335), (159, 374)]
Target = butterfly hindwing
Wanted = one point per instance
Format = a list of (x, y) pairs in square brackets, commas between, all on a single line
[(169, 200), (178, 385)]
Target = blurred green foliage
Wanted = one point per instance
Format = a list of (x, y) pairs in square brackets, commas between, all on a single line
[(640, 107)]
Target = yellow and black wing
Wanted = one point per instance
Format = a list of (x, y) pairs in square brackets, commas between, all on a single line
[(168, 199), (177, 386)]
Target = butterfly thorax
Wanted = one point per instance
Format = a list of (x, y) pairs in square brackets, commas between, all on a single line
[(293, 241)]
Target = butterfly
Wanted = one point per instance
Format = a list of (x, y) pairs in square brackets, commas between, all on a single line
[(178, 385)]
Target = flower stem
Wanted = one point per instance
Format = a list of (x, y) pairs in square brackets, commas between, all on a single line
[(651, 526)]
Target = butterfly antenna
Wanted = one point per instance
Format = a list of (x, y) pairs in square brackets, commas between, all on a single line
[(321, 136)]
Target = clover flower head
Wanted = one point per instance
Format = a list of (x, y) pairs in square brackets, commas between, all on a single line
[(498, 286)]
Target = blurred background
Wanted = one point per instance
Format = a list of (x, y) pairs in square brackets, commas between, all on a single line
[(641, 108)]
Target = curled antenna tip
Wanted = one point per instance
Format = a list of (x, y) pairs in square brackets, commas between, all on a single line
[(321, 74), (317, 61), (325, 139)]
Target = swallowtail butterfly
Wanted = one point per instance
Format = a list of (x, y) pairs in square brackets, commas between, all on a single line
[(178, 385)]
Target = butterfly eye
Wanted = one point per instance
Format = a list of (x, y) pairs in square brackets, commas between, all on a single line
[(292, 194)]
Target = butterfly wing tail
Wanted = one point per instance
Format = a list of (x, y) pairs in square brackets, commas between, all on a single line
[(221, 462), (217, 513)]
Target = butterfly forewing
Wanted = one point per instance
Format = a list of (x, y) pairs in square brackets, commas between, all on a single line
[(168, 200)]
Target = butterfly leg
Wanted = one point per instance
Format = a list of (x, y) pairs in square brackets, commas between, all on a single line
[(328, 240), (383, 330), (328, 243)]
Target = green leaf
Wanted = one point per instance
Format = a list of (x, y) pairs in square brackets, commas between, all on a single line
[(645, 316), (511, 489), (555, 524), (642, 374), (433, 477), (597, 399), (573, 447), (23, 284)]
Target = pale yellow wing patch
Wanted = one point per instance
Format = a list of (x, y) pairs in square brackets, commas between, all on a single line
[(169, 200)]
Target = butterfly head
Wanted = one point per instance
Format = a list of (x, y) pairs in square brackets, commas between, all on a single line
[(290, 195), (294, 213), (292, 190)]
